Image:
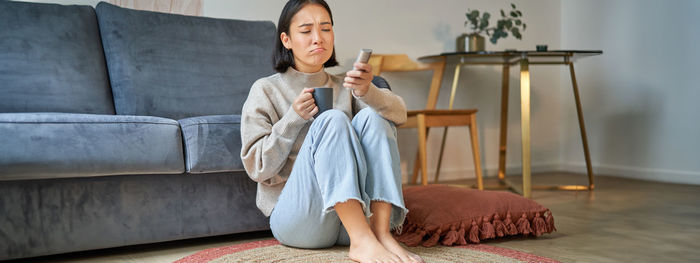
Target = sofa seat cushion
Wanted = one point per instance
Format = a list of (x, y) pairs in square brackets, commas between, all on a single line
[(212, 143), (57, 145)]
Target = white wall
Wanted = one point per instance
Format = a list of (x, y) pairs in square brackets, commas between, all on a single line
[(637, 97), (641, 96), (419, 28)]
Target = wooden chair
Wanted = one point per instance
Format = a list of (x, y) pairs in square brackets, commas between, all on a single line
[(429, 117)]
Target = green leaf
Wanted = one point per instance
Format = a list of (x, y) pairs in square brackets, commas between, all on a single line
[(520, 14), (486, 16), (518, 22), (513, 5), (524, 26), (475, 18), (484, 24), (516, 33), (496, 35), (513, 14), (502, 33), (503, 13)]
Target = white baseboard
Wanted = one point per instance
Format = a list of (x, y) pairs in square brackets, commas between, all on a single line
[(641, 173), (649, 174), (457, 174)]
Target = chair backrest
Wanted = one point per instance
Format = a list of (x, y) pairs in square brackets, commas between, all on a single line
[(402, 63)]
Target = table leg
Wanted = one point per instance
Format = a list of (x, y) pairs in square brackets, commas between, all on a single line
[(582, 126), (525, 125), (504, 123)]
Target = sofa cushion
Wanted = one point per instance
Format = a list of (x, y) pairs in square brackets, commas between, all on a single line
[(212, 143), (55, 145), (51, 60), (177, 66)]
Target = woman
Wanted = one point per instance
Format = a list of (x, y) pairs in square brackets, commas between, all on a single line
[(333, 179)]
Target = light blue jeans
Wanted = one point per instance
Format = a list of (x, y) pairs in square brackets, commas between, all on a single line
[(339, 160)]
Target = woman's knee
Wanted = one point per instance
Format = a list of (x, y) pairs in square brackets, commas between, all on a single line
[(333, 114), (331, 119), (372, 117)]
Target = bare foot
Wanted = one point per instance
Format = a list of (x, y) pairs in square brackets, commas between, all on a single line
[(392, 245), (371, 251)]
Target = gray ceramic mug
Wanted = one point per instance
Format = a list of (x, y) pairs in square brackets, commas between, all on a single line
[(324, 99)]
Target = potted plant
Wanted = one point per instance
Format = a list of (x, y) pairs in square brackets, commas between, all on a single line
[(479, 23)]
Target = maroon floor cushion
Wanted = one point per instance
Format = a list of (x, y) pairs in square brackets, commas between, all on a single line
[(452, 215)]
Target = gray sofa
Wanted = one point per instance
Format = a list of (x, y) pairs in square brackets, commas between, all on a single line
[(121, 127)]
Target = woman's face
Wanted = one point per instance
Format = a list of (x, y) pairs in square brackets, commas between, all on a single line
[(310, 38)]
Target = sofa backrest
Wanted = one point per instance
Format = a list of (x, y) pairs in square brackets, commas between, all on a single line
[(51, 60), (177, 66)]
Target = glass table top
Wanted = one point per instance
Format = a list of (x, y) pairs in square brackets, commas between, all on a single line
[(511, 56)]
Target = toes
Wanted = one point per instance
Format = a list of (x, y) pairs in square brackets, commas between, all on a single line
[(413, 258)]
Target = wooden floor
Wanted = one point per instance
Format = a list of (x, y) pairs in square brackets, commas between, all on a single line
[(623, 220)]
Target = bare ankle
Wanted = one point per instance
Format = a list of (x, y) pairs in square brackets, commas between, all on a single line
[(381, 235), (364, 237)]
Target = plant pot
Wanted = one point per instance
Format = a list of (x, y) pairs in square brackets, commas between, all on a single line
[(471, 43)]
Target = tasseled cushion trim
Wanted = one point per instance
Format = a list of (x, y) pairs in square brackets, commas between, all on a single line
[(477, 229)]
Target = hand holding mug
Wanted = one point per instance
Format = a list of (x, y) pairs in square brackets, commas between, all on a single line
[(304, 104)]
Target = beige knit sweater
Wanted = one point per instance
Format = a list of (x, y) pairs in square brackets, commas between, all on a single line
[(272, 132)]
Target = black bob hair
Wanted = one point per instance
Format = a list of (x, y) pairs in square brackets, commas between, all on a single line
[(282, 58)]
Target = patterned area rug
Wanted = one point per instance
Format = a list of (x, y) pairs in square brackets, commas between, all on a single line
[(272, 251)]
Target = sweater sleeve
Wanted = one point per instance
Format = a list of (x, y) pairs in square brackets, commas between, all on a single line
[(266, 139), (383, 101)]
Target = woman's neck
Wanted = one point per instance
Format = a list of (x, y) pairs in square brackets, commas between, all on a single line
[(303, 79), (308, 69)]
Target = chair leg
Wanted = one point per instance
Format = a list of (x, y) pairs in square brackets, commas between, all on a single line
[(475, 152), (422, 149), (442, 151), (416, 167), (417, 161)]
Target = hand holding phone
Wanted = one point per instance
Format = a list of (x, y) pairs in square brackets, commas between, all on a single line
[(363, 56), (359, 79)]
